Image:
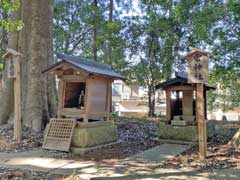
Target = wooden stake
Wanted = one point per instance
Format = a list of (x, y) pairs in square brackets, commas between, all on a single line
[(202, 140), (17, 104)]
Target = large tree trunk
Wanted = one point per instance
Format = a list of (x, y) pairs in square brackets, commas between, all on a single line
[(6, 91), (34, 41)]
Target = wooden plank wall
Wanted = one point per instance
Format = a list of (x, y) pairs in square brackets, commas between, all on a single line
[(97, 92)]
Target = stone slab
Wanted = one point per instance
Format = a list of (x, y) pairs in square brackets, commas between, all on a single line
[(82, 151), (160, 153), (185, 133), (176, 117), (179, 123)]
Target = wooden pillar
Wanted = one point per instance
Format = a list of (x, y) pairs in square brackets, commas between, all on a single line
[(109, 99), (17, 104), (60, 97), (205, 103), (202, 140), (168, 105), (86, 99)]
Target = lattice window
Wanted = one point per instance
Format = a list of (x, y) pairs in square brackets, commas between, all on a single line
[(59, 134)]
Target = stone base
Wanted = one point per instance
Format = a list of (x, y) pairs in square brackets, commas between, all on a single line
[(187, 133), (85, 137), (179, 123), (170, 141), (82, 151)]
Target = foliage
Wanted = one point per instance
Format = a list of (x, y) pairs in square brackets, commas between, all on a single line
[(145, 39), (74, 23), (226, 70), (6, 7), (6, 24)]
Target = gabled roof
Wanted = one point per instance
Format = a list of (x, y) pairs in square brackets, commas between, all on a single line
[(11, 52), (85, 65), (180, 79), (195, 50)]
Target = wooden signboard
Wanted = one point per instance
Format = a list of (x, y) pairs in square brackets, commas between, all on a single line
[(11, 66), (197, 68), (198, 74)]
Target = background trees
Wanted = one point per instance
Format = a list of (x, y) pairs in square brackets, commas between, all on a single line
[(149, 36)]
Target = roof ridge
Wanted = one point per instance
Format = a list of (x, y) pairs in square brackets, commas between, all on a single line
[(84, 61)]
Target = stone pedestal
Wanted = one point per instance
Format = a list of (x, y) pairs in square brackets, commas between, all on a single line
[(183, 133), (94, 135)]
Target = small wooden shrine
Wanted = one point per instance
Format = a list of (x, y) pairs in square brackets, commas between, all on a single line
[(186, 97), (181, 100), (85, 95)]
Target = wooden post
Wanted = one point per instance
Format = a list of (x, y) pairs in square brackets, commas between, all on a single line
[(109, 99), (198, 74), (202, 140), (86, 99), (17, 104), (168, 103), (14, 72)]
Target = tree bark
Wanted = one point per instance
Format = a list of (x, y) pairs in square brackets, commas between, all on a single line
[(6, 91), (94, 45), (34, 41), (110, 32), (151, 101)]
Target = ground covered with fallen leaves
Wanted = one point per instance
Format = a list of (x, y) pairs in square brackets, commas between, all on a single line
[(220, 154), (134, 136), (17, 174), (30, 139)]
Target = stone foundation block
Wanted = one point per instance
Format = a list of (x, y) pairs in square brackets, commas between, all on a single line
[(84, 137), (178, 123), (177, 118), (187, 133)]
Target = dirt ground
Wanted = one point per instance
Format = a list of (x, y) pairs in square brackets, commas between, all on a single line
[(220, 155), (134, 136)]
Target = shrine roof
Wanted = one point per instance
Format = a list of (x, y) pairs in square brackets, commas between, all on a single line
[(195, 50), (180, 79), (85, 65)]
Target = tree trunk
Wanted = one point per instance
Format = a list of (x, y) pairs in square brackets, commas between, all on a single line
[(6, 91), (94, 45), (151, 101), (34, 41), (110, 32)]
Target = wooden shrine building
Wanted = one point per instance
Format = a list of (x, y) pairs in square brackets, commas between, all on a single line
[(85, 97), (180, 100)]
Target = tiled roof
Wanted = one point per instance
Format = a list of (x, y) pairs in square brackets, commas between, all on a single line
[(86, 65), (180, 79)]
